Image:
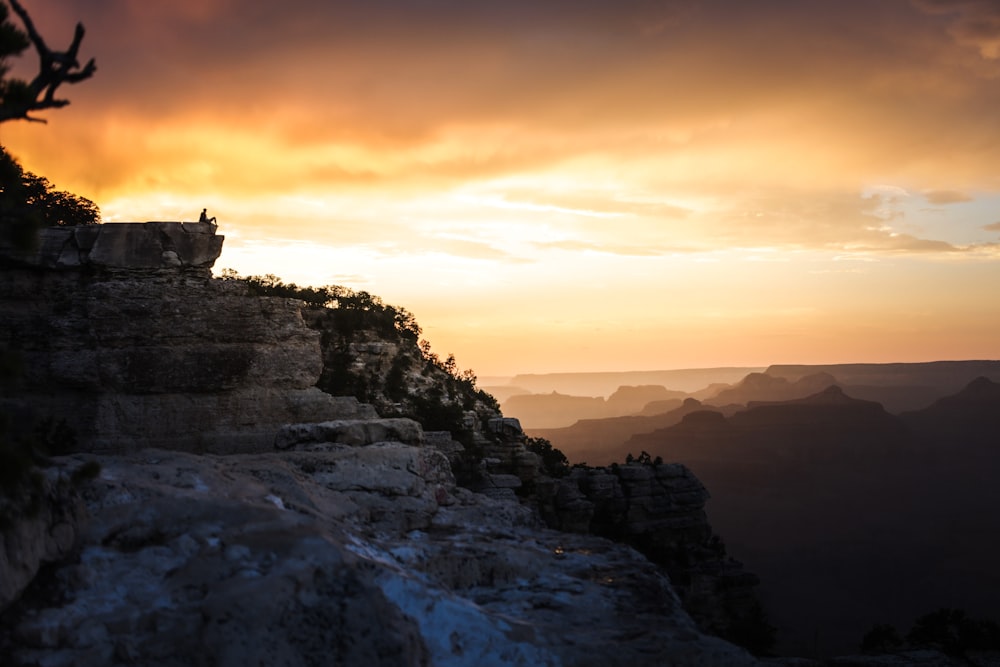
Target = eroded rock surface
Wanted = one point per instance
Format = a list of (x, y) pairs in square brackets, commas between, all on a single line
[(123, 245), (354, 555), (39, 524), (660, 510), (169, 358)]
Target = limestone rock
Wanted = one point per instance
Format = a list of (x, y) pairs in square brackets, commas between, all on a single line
[(164, 358), (40, 525), (356, 432), (660, 510), (293, 558), (126, 245)]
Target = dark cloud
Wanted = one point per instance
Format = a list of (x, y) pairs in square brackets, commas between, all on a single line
[(973, 22)]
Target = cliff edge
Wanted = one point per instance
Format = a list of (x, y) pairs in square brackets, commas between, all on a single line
[(242, 514)]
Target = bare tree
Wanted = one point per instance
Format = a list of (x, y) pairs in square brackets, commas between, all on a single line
[(55, 68)]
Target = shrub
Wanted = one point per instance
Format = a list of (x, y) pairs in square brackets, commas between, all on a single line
[(554, 462)]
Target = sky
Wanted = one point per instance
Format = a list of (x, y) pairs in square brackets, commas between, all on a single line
[(567, 185)]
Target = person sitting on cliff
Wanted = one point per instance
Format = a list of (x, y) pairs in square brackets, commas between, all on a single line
[(204, 217)]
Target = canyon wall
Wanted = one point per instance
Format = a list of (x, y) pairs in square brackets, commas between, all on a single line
[(120, 330)]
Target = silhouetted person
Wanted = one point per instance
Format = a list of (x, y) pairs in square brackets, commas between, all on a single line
[(204, 217)]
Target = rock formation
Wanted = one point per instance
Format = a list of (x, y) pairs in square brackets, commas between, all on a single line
[(39, 524), (660, 510), (121, 331), (243, 515), (333, 554), (849, 517), (602, 442), (129, 246)]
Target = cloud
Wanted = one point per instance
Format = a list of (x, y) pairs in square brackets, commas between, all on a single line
[(995, 227), (975, 23), (946, 197), (638, 125), (615, 249)]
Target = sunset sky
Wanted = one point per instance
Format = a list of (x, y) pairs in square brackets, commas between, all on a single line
[(567, 185)]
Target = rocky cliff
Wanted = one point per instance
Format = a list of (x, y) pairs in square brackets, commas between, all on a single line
[(660, 510), (333, 554), (121, 331), (243, 514)]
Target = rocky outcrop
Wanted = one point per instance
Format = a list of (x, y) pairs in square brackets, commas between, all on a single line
[(352, 544), (39, 524), (350, 432), (300, 558), (126, 245), (168, 357), (660, 510)]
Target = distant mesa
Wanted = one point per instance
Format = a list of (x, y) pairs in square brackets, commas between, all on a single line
[(766, 387), (830, 497), (702, 418), (632, 399), (556, 410), (970, 419), (605, 383), (946, 376)]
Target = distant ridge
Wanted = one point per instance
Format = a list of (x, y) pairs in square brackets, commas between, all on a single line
[(606, 382), (946, 376)]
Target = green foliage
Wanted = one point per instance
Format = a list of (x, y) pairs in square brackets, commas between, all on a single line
[(554, 462), (395, 380), (347, 315), (437, 414), (352, 310)]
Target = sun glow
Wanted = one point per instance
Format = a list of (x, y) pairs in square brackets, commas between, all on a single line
[(715, 191)]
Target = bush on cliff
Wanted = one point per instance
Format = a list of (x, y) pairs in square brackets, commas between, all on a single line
[(28, 202), (554, 462), (951, 631), (417, 383)]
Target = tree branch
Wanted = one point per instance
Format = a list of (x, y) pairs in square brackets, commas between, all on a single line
[(54, 69)]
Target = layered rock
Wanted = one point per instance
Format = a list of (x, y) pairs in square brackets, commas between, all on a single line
[(660, 510), (356, 524), (126, 245), (39, 524), (300, 558), (133, 355)]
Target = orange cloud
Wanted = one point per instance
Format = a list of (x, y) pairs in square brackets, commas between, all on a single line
[(525, 153)]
